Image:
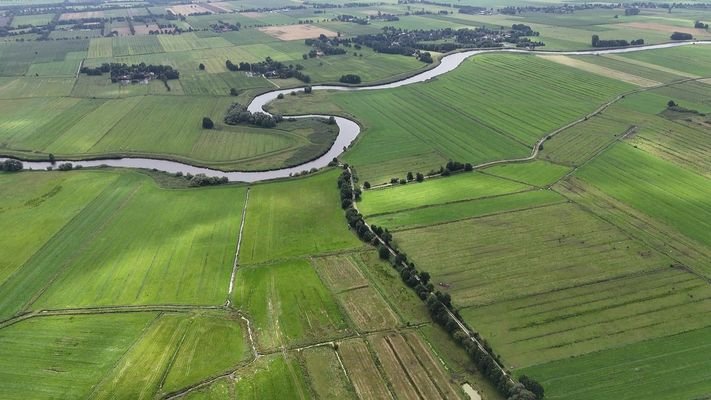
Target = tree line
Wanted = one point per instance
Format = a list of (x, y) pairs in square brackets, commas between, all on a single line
[(597, 42), (140, 71), (439, 304), (238, 114)]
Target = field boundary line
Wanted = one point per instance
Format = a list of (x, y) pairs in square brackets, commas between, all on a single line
[(68, 263), (425, 206), (629, 275), (239, 245), (514, 210), (629, 131), (125, 353)]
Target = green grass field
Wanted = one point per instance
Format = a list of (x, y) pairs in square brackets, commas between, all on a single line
[(288, 304), (162, 126), (113, 237), (671, 367), (536, 173), (674, 195), (273, 377), (280, 220), (465, 186), (443, 213), (482, 260), (65, 356), (535, 329)]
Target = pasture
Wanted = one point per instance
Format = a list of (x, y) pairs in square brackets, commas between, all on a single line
[(118, 235), (288, 304), (363, 305), (670, 367), (280, 219), (272, 377), (489, 259), (581, 319), (463, 186), (675, 196), (449, 212), (160, 126), (64, 356)]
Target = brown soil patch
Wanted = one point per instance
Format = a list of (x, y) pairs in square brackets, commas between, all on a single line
[(142, 29), (224, 6), (188, 9), (339, 273), (362, 371), (367, 309), (252, 14), (80, 15), (296, 32), (651, 26), (603, 71)]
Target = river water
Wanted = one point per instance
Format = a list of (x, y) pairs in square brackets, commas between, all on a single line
[(348, 130)]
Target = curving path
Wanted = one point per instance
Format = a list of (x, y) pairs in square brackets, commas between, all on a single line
[(348, 129)]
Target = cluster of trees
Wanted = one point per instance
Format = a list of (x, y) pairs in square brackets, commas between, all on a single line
[(408, 42), (632, 11), (350, 79), (473, 10), (11, 166), (204, 180), (597, 42), (222, 26), (271, 68), (324, 45), (418, 176), (681, 36), (455, 166), (238, 114), (700, 25), (133, 72), (673, 106), (439, 304), (425, 57)]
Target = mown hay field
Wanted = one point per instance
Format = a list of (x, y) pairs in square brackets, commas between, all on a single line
[(280, 220), (117, 233)]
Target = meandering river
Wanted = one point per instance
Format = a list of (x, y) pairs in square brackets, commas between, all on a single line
[(348, 130)]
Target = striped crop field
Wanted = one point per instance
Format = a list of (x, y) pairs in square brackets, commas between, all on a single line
[(666, 368), (567, 322), (675, 196), (489, 259), (448, 212), (464, 186), (288, 304), (278, 225), (79, 264)]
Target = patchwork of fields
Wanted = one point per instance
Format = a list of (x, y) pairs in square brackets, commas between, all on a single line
[(592, 280), (587, 268)]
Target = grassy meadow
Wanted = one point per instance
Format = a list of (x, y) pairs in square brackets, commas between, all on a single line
[(177, 254), (288, 304), (280, 219)]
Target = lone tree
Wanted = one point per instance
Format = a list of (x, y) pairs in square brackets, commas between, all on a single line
[(308, 90), (207, 123), (671, 103), (201, 67)]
